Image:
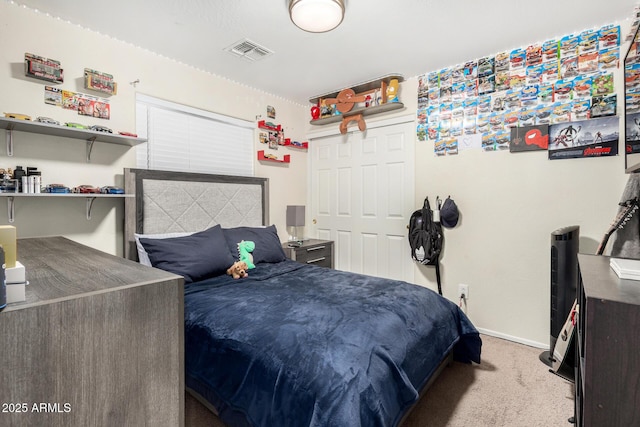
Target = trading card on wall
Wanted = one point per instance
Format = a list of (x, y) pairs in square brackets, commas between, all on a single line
[(271, 112), (52, 96), (609, 59), (582, 87), (451, 146), (486, 66), (517, 59), (569, 67), (586, 138), (101, 110), (534, 55), (550, 51), (604, 105), (86, 105), (263, 137), (543, 114), (486, 84), (609, 36), (526, 117), (588, 62), (502, 139), (457, 74), (70, 100), (568, 46), (502, 62), (602, 85), (581, 109), (529, 138), (489, 142), (433, 79), (587, 42), (470, 70), (550, 72)]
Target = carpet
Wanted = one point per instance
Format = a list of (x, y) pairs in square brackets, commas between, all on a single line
[(511, 387)]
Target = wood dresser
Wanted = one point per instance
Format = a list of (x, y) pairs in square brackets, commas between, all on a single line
[(608, 346), (99, 341)]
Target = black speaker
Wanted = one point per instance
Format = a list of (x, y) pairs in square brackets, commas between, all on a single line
[(564, 281)]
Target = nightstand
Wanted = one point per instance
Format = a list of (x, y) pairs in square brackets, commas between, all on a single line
[(312, 251)]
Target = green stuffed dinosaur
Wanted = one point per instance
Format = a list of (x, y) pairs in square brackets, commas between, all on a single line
[(245, 248)]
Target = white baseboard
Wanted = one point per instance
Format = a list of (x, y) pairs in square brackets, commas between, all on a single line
[(514, 339)]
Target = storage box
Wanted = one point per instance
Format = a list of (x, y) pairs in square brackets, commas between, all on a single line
[(626, 268), (16, 274), (15, 292)]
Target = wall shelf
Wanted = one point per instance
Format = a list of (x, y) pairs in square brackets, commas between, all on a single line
[(365, 111), (262, 157), (299, 145), (354, 103), (87, 135), (264, 125), (90, 198)]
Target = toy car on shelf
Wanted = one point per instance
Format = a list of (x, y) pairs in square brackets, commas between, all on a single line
[(98, 128), (75, 125), (17, 116), (133, 135), (109, 189), (56, 188), (86, 189), (47, 120)]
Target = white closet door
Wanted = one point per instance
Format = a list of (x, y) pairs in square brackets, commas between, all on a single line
[(362, 195)]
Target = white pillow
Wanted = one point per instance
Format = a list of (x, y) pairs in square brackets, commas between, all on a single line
[(143, 258)]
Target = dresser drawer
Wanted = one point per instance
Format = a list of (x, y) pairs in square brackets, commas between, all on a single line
[(316, 254)]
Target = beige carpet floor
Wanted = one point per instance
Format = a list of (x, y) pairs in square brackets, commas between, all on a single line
[(511, 387)]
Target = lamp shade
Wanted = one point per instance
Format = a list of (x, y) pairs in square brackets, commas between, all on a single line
[(295, 216), (316, 16)]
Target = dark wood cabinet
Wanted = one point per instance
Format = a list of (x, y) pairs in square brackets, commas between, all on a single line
[(608, 346), (312, 251), (98, 341)]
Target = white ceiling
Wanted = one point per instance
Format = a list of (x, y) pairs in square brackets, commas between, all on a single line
[(408, 37)]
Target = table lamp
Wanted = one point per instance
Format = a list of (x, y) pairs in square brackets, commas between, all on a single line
[(295, 219)]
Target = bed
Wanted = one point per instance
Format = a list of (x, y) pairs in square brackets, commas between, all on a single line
[(291, 344)]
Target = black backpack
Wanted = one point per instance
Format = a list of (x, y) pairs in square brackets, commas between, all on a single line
[(425, 238)]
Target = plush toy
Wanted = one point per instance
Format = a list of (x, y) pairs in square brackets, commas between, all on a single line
[(245, 248), (238, 270)]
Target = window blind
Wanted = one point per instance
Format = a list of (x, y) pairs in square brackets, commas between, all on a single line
[(181, 138)]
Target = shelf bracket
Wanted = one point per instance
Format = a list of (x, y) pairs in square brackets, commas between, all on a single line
[(9, 135), (90, 201), (90, 142), (10, 208)]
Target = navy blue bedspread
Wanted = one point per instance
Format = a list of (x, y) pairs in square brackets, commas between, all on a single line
[(298, 345)]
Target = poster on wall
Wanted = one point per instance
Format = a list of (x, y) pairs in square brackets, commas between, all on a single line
[(529, 138), (632, 134), (586, 138)]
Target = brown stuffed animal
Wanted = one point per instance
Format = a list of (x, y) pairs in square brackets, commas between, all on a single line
[(238, 270)]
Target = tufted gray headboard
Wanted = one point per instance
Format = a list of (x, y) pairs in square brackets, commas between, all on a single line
[(168, 202)]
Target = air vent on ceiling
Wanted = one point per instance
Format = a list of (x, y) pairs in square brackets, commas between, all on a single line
[(249, 50)]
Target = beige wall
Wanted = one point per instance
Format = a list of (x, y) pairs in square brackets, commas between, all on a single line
[(62, 160), (509, 205)]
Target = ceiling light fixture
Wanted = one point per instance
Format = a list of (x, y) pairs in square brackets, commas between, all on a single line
[(316, 16)]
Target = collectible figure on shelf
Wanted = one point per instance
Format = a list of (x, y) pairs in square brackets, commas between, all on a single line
[(315, 112), (392, 91)]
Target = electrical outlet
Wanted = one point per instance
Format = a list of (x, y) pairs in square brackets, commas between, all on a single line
[(463, 290)]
